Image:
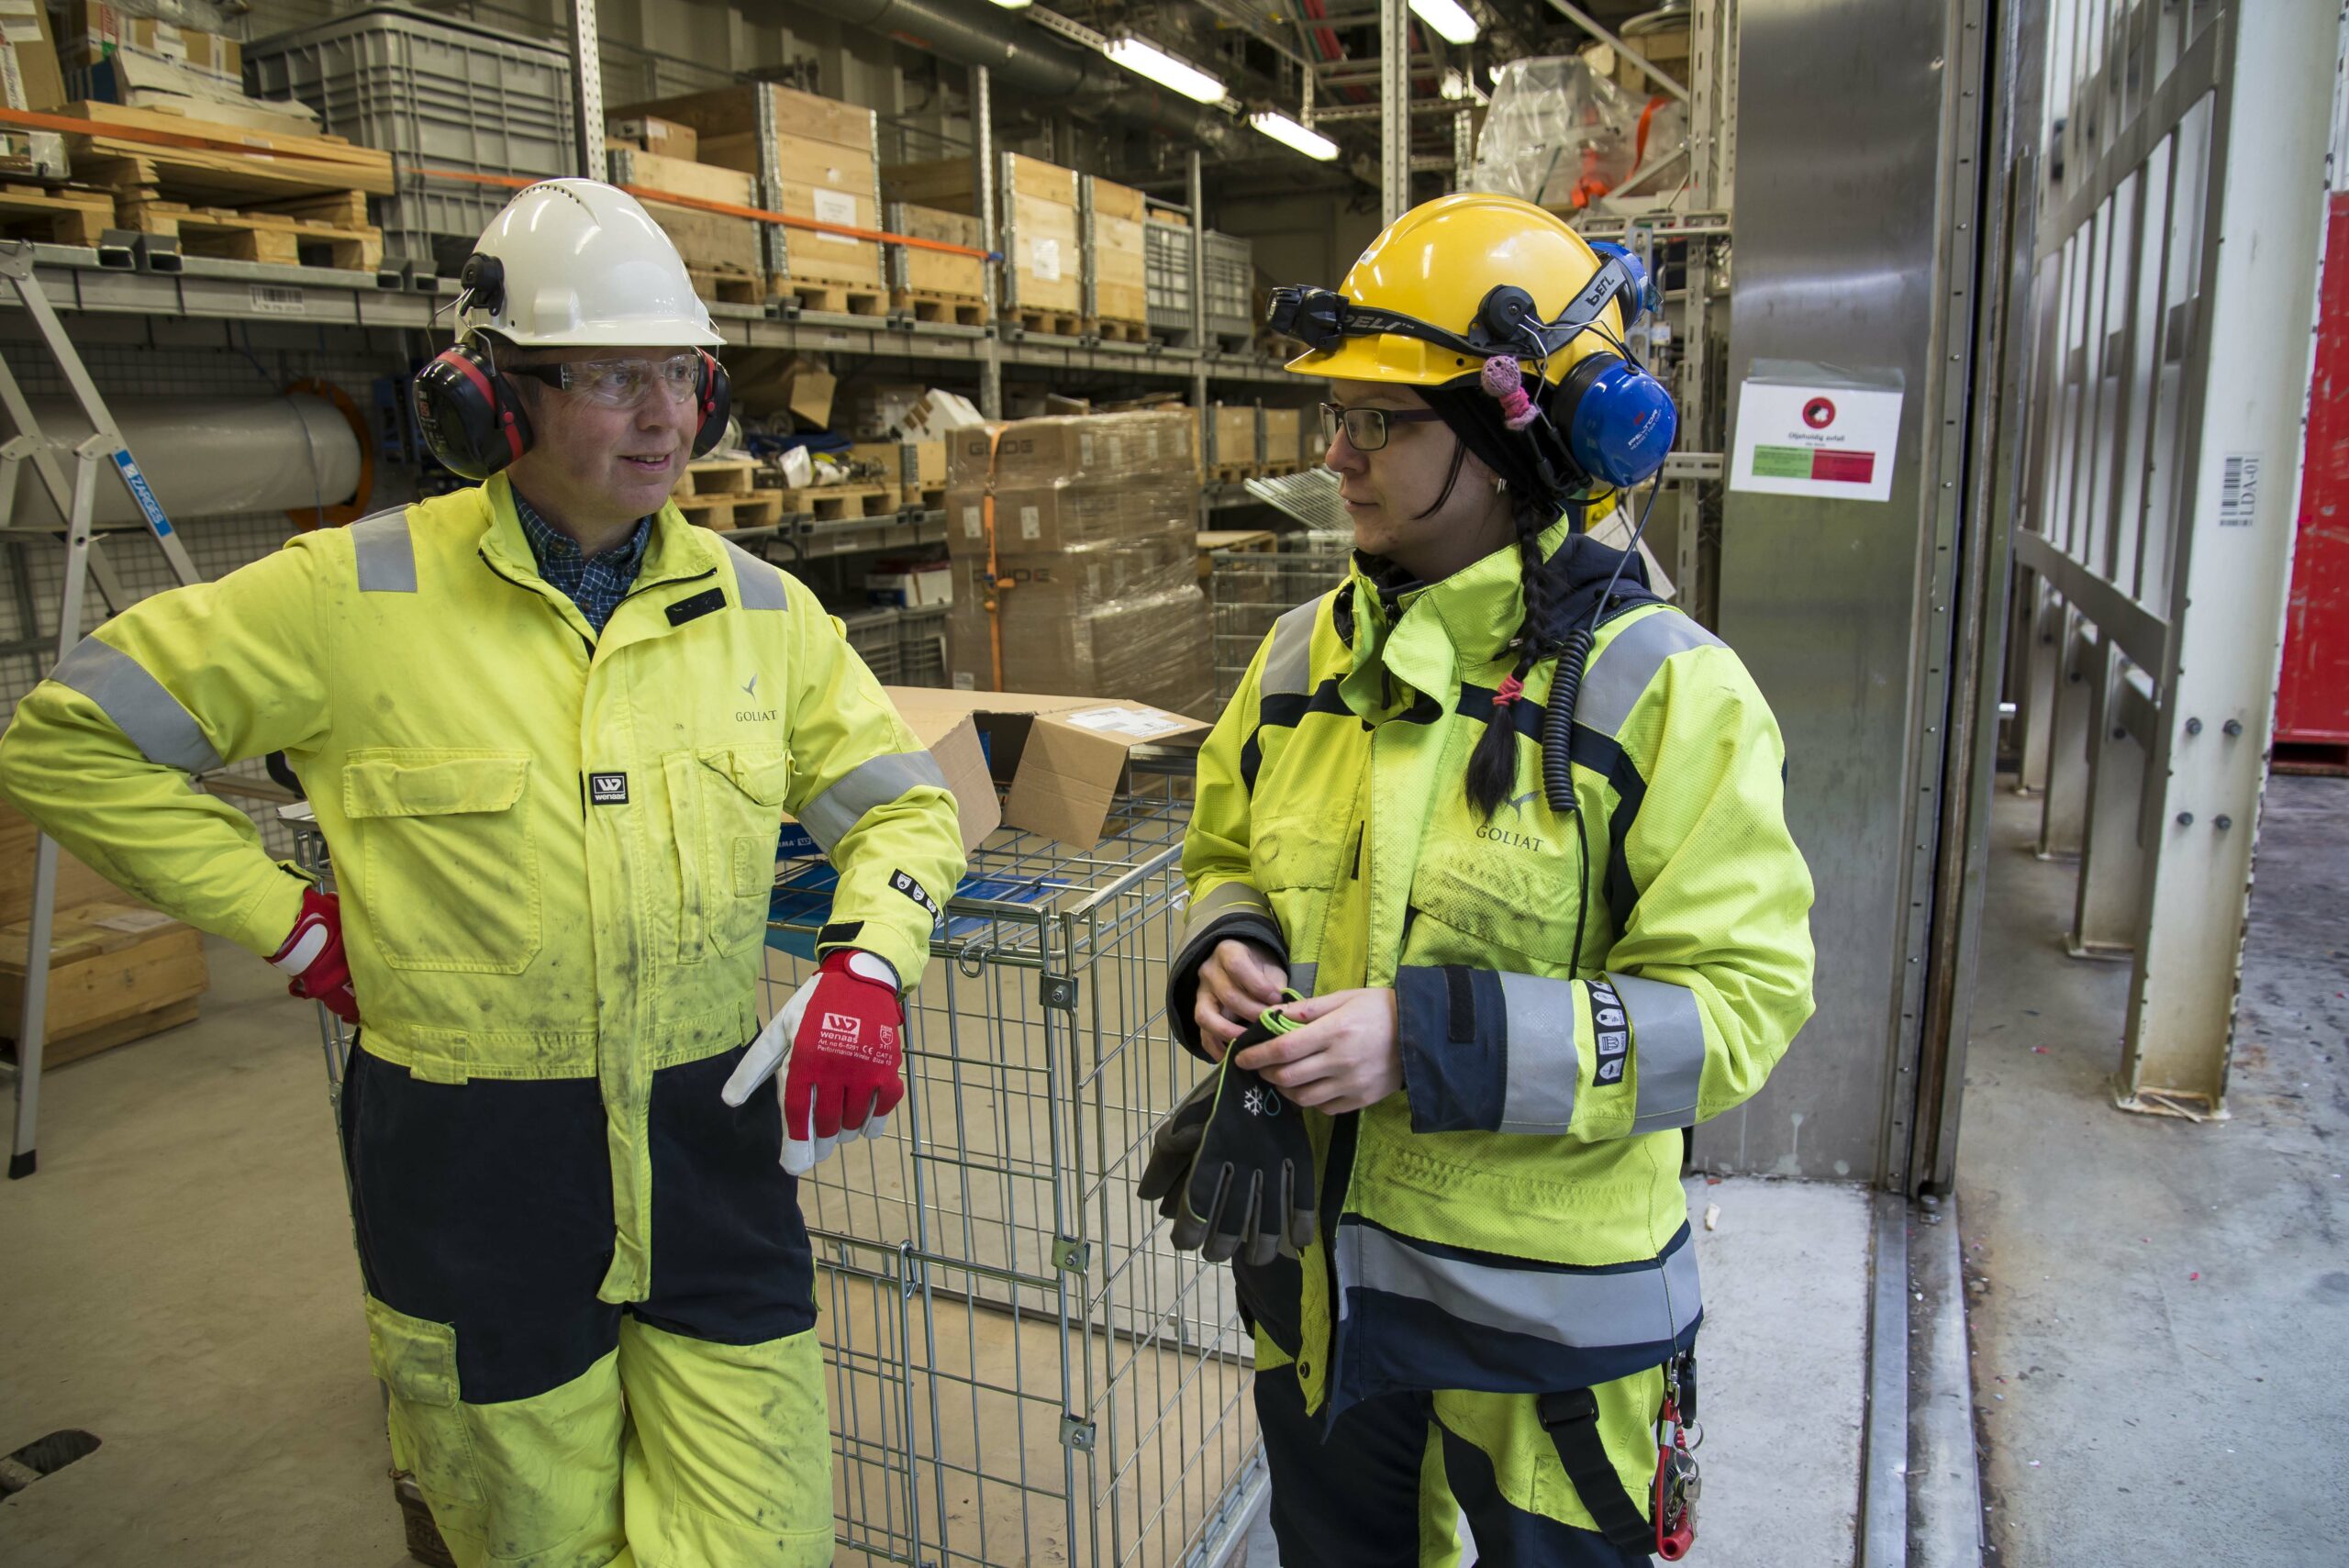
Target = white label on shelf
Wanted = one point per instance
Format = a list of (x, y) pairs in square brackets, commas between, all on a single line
[(1031, 522), (1044, 260), (2239, 490), (964, 681), (279, 301), (836, 206), (974, 524), (1085, 451)]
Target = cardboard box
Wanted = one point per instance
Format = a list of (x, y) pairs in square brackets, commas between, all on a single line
[(38, 154), (93, 32), (1283, 436), (1073, 582), (667, 139), (767, 381), (1062, 756), (25, 23), (1048, 518), (1155, 646), (631, 165), (1235, 436), (117, 973), (138, 81), (1120, 446)]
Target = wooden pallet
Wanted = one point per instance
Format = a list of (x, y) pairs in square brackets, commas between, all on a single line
[(723, 514), (940, 309), (833, 298), (59, 215), (277, 239), (1050, 323), (1279, 470), (1109, 329), (718, 476), (837, 503), (727, 287), (1233, 472)]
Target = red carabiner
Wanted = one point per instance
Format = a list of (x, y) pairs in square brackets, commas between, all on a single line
[(1672, 1499)]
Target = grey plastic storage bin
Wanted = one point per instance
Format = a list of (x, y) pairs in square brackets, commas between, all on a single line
[(1166, 279), (1232, 290), (435, 94)]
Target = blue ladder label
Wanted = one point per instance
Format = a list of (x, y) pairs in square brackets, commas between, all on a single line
[(142, 493)]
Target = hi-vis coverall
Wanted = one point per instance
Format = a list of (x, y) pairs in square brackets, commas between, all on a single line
[(1512, 1222), (589, 1290)]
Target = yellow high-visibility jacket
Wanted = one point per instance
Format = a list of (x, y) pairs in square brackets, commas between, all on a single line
[(1512, 1221), (554, 849)]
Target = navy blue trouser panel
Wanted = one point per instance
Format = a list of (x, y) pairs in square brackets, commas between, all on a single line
[(488, 1205), (1352, 1501)]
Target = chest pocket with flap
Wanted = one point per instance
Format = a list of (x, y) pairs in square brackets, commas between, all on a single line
[(448, 875)]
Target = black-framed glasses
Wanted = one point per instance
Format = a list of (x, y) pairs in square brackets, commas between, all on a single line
[(1366, 427)]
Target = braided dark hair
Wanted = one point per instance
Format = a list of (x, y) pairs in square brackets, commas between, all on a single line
[(1492, 766)]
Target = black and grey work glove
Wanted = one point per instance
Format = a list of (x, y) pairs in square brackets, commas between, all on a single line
[(1232, 1167)]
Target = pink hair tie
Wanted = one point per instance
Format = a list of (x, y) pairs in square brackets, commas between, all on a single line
[(1504, 379), (1511, 689)]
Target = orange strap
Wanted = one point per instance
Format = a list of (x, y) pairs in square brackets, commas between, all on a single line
[(33, 119), (996, 584), (728, 209)]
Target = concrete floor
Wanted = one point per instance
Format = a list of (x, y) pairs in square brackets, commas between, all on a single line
[(179, 1281), (2161, 1310)]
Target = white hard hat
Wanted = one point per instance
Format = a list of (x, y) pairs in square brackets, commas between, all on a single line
[(578, 263)]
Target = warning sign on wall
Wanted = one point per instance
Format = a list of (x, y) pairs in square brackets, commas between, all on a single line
[(1810, 436)]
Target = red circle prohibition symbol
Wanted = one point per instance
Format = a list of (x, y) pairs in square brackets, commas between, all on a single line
[(1818, 413)]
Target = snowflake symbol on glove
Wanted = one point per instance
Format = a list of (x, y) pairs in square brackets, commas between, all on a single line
[(1261, 1101)]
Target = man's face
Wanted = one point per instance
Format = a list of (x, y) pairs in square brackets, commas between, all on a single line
[(592, 463)]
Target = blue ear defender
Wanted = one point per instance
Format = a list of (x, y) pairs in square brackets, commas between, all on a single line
[(1618, 420)]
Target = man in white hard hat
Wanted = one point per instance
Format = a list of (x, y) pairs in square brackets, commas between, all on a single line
[(549, 730)]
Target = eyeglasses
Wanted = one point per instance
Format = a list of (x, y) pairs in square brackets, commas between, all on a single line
[(1366, 427), (621, 384)]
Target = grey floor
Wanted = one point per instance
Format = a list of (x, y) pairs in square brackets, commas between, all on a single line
[(2160, 1310)]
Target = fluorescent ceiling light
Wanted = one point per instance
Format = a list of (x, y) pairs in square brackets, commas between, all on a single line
[(1448, 17), (1288, 133), (1154, 63), (1014, 5)]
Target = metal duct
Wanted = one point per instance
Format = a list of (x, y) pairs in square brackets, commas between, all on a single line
[(207, 457), (1022, 59)]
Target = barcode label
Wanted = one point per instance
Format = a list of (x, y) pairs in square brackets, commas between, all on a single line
[(279, 301), (2239, 491)]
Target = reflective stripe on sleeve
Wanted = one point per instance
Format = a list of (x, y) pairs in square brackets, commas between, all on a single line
[(1228, 898), (1667, 1050), (1543, 1065), (155, 721), (758, 585), (1583, 1309), (1288, 662), (832, 816), (1301, 977), (1623, 669), (385, 553)]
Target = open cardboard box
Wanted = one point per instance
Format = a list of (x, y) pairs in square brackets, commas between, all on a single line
[(1063, 757)]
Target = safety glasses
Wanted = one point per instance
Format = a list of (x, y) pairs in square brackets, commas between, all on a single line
[(621, 384), (1365, 428)]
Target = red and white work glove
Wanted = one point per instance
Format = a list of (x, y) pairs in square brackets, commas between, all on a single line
[(843, 1030), (313, 956)]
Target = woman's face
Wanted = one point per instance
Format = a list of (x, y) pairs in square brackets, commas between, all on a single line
[(1385, 492)]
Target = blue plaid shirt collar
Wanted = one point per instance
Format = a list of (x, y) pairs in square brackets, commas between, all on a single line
[(596, 584)]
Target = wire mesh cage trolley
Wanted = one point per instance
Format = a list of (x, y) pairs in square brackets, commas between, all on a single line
[(1022, 1369)]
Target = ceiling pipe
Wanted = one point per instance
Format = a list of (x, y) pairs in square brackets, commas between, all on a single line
[(1025, 62)]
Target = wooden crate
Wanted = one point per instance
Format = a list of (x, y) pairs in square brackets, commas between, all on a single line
[(117, 973), (678, 176), (709, 241), (1038, 205), (1115, 261), (1237, 455), (933, 274), (815, 256)]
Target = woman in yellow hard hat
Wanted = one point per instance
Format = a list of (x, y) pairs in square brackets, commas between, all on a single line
[(1513, 827)]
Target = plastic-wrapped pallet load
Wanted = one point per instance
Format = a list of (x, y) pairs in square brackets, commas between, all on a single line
[(1091, 585)]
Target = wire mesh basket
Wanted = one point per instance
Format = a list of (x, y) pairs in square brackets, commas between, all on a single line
[(1251, 589), (1024, 1370), (874, 634)]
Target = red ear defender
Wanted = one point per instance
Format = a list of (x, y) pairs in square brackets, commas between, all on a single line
[(467, 415), (716, 403)]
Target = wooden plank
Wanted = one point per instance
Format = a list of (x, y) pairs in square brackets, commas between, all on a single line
[(271, 237), (323, 162), (58, 217), (707, 240), (821, 163), (680, 177), (718, 476), (1113, 200), (208, 179)]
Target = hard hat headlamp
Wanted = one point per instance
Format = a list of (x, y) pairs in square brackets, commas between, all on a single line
[(1507, 319)]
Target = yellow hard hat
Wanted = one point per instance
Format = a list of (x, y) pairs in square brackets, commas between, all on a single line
[(1442, 265)]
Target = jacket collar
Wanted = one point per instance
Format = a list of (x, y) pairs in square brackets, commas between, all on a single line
[(1430, 637), (674, 550)]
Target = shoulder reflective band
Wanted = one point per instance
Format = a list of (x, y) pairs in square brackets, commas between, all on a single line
[(1620, 673), (759, 582), (385, 554)]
